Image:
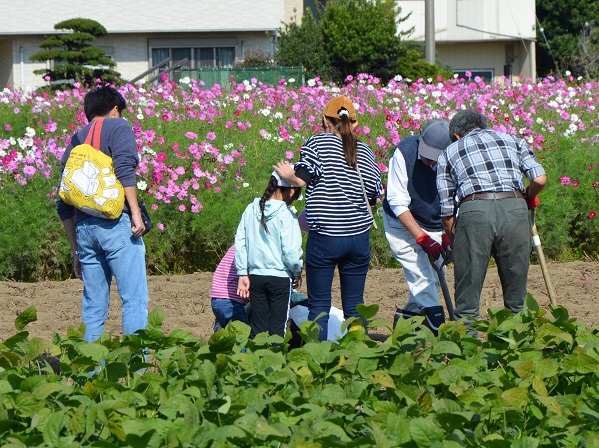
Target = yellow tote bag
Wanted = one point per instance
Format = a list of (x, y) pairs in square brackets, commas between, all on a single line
[(88, 180)]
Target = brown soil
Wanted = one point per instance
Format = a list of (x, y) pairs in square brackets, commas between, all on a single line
[(186, 303)]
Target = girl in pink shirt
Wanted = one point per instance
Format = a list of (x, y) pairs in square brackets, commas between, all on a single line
[(227, 305)]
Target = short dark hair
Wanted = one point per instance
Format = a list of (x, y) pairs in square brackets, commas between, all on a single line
[(100, 101), (465, 121)]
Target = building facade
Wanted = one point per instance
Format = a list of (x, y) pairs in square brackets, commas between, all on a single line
[(141, 34), (489, 38)]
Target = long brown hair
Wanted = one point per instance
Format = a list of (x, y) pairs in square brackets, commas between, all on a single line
[(343, 126)]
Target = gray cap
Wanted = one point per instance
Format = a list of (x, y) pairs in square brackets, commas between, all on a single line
[(434, 138), (280, 181)]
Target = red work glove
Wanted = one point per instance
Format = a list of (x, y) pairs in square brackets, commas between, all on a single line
[(430, 246), (446, 244), (532, 203)]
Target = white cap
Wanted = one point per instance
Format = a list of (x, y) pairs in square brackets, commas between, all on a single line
[(281, 182)]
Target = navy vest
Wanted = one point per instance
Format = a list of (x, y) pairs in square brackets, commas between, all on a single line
[(422, 187)]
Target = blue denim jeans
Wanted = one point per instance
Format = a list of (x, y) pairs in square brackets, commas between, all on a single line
[(107, 248), (351, 254), (227, 310)]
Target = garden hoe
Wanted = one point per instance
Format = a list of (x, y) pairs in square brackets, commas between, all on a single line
[(536, 241), (439, 269)]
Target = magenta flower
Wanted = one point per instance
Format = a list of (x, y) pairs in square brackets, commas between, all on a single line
[(7, 127), (160, 226), (191, 135), (565, 180), (592, 214), (210, 135), (289, 155)]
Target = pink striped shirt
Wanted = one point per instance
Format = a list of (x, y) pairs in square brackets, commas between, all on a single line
[(225, 279)]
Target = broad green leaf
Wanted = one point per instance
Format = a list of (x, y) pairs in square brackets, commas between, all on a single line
[(446, 348), (516, 397), (550, 334), (8, 360), (223, 409), (51, 432), (367, 311), (26, 317), (581, 363), (325, 429), (551, 403), (156, 318), (450, 374), (539, 386), (525, 368), (116, 370), (96, 352), (526, 442), (45, 390), (5, 387), (559, 312), (530, 304), (425, 431), (383, 378), (38, 345)]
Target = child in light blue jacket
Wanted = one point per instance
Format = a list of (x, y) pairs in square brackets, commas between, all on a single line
[(268, 256)]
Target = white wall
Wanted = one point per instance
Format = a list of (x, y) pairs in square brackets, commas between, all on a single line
[(469, 20), (136, 16)]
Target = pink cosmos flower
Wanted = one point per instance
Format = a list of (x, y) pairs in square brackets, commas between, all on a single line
[(7, 127), (29, 170), (160, 226), (565, 180), (191, 135), (592, 214), (161, 157), (210, 135), (575, 183), (289, 155), (182, 207)]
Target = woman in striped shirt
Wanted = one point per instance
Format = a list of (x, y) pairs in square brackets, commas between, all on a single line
[(332, 167)]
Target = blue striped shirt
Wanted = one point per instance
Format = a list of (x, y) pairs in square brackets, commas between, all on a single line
[(484, 160), (335, 204)]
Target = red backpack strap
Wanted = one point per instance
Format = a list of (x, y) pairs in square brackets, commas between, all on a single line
[(93, 136)]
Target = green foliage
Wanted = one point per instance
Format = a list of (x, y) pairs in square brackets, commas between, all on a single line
[(562, 22), (255, 58), (74, 59), (360, 36), (349, 37), (303, 45), (31, 249), (531, 382), (413, 66)]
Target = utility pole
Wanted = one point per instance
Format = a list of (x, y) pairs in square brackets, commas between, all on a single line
[(429, 31)]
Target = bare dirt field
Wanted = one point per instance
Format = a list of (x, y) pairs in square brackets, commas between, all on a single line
[(186, 303)]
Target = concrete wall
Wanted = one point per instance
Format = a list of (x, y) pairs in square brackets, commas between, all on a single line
[(484, 56)]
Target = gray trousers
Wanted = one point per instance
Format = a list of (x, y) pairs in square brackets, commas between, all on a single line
[(500, 228)]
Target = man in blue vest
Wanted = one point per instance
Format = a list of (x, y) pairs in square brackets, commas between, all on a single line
[(413, 222)]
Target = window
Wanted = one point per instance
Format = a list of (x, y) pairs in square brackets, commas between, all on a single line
[(204, 57), (486, 74)]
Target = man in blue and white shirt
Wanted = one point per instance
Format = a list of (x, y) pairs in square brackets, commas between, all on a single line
[(481, 174)]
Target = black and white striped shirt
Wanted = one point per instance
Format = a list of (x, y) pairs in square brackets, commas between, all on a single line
[(335, 204)]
